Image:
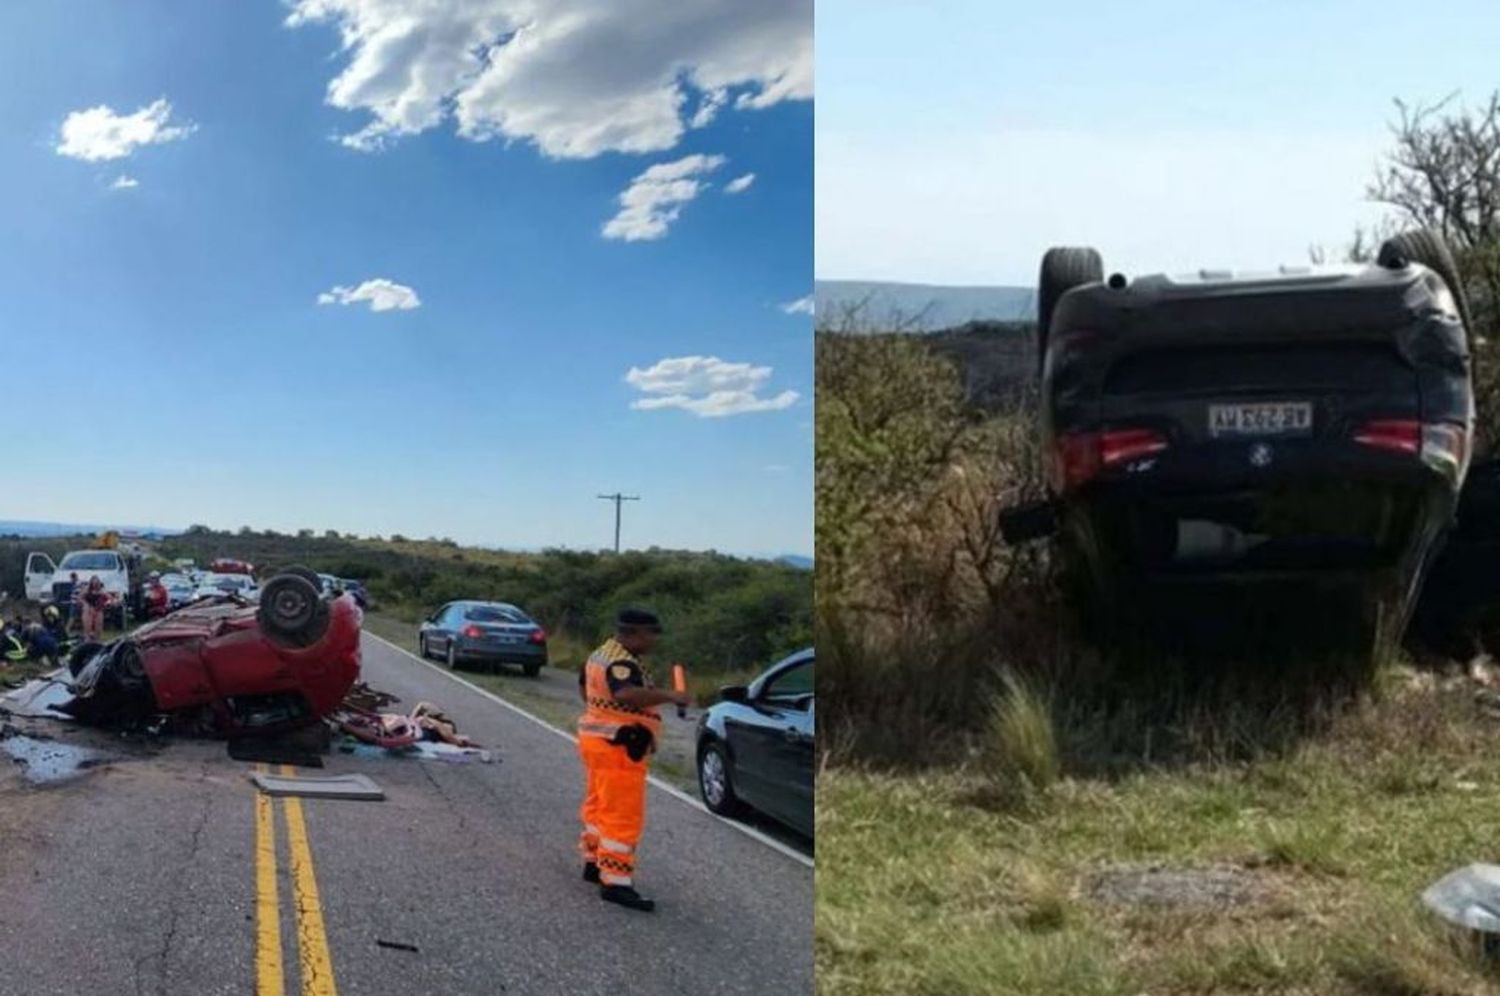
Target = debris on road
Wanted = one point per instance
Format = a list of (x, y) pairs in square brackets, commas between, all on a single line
[(383, 729), (39, 698), (362, 696), (426, 750), (320, 787), (47, 762), (437, 726), (427, 732), (397, 946)]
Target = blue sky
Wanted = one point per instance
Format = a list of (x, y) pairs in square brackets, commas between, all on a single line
[(174, 364), (956, 141)]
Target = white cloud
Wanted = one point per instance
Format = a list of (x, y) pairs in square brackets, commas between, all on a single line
[(706, 386), (655, 198), (575, 77), (123, 182), (708, 108), (99, 134), (801, 306), (739, 184), (380, 293)]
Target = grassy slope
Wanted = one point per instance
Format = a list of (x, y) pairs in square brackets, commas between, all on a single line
[(927, 885)]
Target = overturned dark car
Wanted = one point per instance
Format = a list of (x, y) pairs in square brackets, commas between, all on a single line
[(226, 666), (1308, 428)]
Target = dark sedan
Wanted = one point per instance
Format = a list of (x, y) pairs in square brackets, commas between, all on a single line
[(488, 633), (755, 747)]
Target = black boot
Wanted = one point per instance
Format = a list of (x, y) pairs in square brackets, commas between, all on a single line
[(626, 896), (591, 873)]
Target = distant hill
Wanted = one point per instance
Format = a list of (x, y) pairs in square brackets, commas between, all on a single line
[(996, 360), (929, 306), (22, 527), (796, 560)]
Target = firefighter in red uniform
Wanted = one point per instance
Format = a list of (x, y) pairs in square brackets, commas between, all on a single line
[(616, 733)]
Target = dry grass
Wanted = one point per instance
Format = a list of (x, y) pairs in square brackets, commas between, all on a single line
[(923, 887), (1021, 743)]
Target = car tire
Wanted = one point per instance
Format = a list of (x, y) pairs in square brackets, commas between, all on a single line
[(1063, 268), (307, 574), (422, 647), (1428, 247), (292, 611), (531, 670), (451, 659), (715, 783)]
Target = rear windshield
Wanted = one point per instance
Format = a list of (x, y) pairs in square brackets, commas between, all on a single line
[(496, 614), (87, 561), (1294, 366)]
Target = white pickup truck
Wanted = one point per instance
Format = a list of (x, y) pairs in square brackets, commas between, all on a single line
[(44, 578)]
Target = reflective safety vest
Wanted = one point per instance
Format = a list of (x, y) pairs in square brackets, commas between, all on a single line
[(603, 714)]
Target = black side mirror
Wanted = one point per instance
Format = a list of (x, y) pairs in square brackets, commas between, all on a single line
[(734, 693)]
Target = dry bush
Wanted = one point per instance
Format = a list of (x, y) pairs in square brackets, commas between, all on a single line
[(920, 602)]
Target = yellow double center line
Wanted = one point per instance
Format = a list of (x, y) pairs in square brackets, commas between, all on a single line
[(314, 963)]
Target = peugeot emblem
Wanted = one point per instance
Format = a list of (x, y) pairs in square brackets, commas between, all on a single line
[(1260, 455)]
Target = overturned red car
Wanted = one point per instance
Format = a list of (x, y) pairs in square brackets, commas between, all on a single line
[(225, 665)]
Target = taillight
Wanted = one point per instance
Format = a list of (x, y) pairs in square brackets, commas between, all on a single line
[(1446, 447), (1080, 456), (1124, 445), (538, 636), (1075, 460), (473, 632), (1399, 435), (1442, 445)]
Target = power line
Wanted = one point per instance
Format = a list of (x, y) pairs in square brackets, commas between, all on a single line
[(618, 499)]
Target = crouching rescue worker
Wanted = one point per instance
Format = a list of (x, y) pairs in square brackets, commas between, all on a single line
[(41, 645), (616, 733)]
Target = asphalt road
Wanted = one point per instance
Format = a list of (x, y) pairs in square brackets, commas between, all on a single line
[(140, 876)]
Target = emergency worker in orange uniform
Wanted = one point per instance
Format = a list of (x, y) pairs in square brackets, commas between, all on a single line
[(617, 732)]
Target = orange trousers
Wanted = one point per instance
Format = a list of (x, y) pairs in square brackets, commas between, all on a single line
[(614, 808)]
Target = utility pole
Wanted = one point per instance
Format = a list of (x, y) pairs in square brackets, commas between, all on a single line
[(618, 498)]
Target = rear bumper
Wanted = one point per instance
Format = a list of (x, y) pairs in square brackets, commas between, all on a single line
[(1214, 515), (515, 653)]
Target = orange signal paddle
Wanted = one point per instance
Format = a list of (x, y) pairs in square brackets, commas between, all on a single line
[(679, 684)]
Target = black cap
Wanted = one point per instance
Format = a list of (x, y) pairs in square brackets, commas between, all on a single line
[(638, 619)]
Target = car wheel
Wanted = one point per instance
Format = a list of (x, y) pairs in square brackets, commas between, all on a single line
[(452, 658), (531, 670), (1063, 268), (715, 784), (1425, 246), (307, 574), (422, 647), (291, 611)]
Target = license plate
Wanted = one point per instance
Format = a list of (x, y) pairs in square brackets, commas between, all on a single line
[(1271, 418)]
